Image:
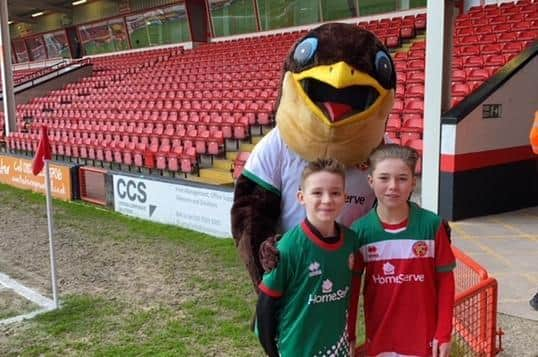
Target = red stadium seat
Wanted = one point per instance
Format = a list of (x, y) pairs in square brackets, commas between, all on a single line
[(490, 49), (512, 47), (495, 61), (417, 64), (127, 157), (459, 75), (497, 20), (414, 90), (487, 38), (418, 53), (188, 160), (414, 106), (400, 90), (394, 123), (239, 163), (473, 62), (468, 50), (529, 35), (393, 41), (477, 74), (502, 27), (507, 36), (469, 40), (398, 106), (456, 99), (407, 31), (420, 22), (460, 89), (160, 160)]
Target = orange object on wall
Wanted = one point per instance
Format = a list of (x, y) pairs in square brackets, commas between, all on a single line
[(17, 172), (534, 134)]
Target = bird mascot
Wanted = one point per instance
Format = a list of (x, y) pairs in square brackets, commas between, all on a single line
[(337, 90)]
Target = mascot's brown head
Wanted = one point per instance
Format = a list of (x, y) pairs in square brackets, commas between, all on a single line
[(337, 91)]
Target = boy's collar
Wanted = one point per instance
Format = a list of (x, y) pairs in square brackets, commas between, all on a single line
[(318, 234), (328, 243)]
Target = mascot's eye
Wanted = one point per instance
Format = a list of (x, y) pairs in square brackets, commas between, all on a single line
[(384, 69), (305, 51)]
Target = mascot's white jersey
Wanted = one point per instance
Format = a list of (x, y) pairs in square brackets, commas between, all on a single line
[(276, 168)]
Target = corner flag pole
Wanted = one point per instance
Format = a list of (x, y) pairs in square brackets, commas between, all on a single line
[(50, 224), (41, 159)]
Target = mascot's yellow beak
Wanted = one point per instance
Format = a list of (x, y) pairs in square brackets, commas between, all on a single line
[(339, 94)]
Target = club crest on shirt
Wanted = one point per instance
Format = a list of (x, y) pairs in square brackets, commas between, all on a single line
[(420, 248)]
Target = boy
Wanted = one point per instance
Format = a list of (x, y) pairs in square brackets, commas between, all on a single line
[(303, 303)]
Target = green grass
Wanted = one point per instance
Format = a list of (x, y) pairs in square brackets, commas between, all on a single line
[(85, 322), (210, 316)]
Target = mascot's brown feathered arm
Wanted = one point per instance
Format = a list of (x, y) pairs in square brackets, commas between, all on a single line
[(255, 214)]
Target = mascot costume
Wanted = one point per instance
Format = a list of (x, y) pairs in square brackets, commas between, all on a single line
[(336, 94)]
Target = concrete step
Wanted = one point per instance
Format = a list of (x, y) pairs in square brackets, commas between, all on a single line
[(222, 164), (211, 181), (256, 139), (246, 147), (405, 47), (216, 175), (231, 155)]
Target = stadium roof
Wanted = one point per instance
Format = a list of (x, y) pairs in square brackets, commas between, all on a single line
[(22, 10)]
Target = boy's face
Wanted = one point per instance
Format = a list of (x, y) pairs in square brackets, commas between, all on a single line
[(392, 182), (323, 196)]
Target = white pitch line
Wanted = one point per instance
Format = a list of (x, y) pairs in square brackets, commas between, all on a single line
[(28, 293), (27, 316)]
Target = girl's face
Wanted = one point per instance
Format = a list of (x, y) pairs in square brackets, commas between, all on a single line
[(392, 182), (323, 196)]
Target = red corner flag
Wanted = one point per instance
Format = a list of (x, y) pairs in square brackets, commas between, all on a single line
[(43, 152)]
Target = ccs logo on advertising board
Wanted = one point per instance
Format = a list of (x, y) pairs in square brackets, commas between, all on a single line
[(132, 190)]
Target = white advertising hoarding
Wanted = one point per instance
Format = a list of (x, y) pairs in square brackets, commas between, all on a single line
[(201, 209)]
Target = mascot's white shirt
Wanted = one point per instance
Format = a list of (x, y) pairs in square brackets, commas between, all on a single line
[(278, 169)]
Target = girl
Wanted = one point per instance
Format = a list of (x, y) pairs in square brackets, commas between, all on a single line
[(407, 262)]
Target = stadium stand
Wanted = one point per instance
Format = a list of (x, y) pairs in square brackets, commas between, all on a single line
[(20, 75), (173, 111)]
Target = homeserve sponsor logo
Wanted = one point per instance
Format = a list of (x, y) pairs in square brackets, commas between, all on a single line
[(328, 295), (390, 277)]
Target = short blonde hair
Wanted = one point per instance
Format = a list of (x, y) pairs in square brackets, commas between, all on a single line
[(393, 151), (324, 165)]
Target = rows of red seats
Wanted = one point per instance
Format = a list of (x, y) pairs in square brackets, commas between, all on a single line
[(186, 114), (392, 31), (184, 97), (479, 52), (20, 74)]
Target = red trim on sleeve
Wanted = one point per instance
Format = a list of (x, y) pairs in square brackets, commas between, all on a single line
[(312, 236), (445, 306), (268, 291)]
